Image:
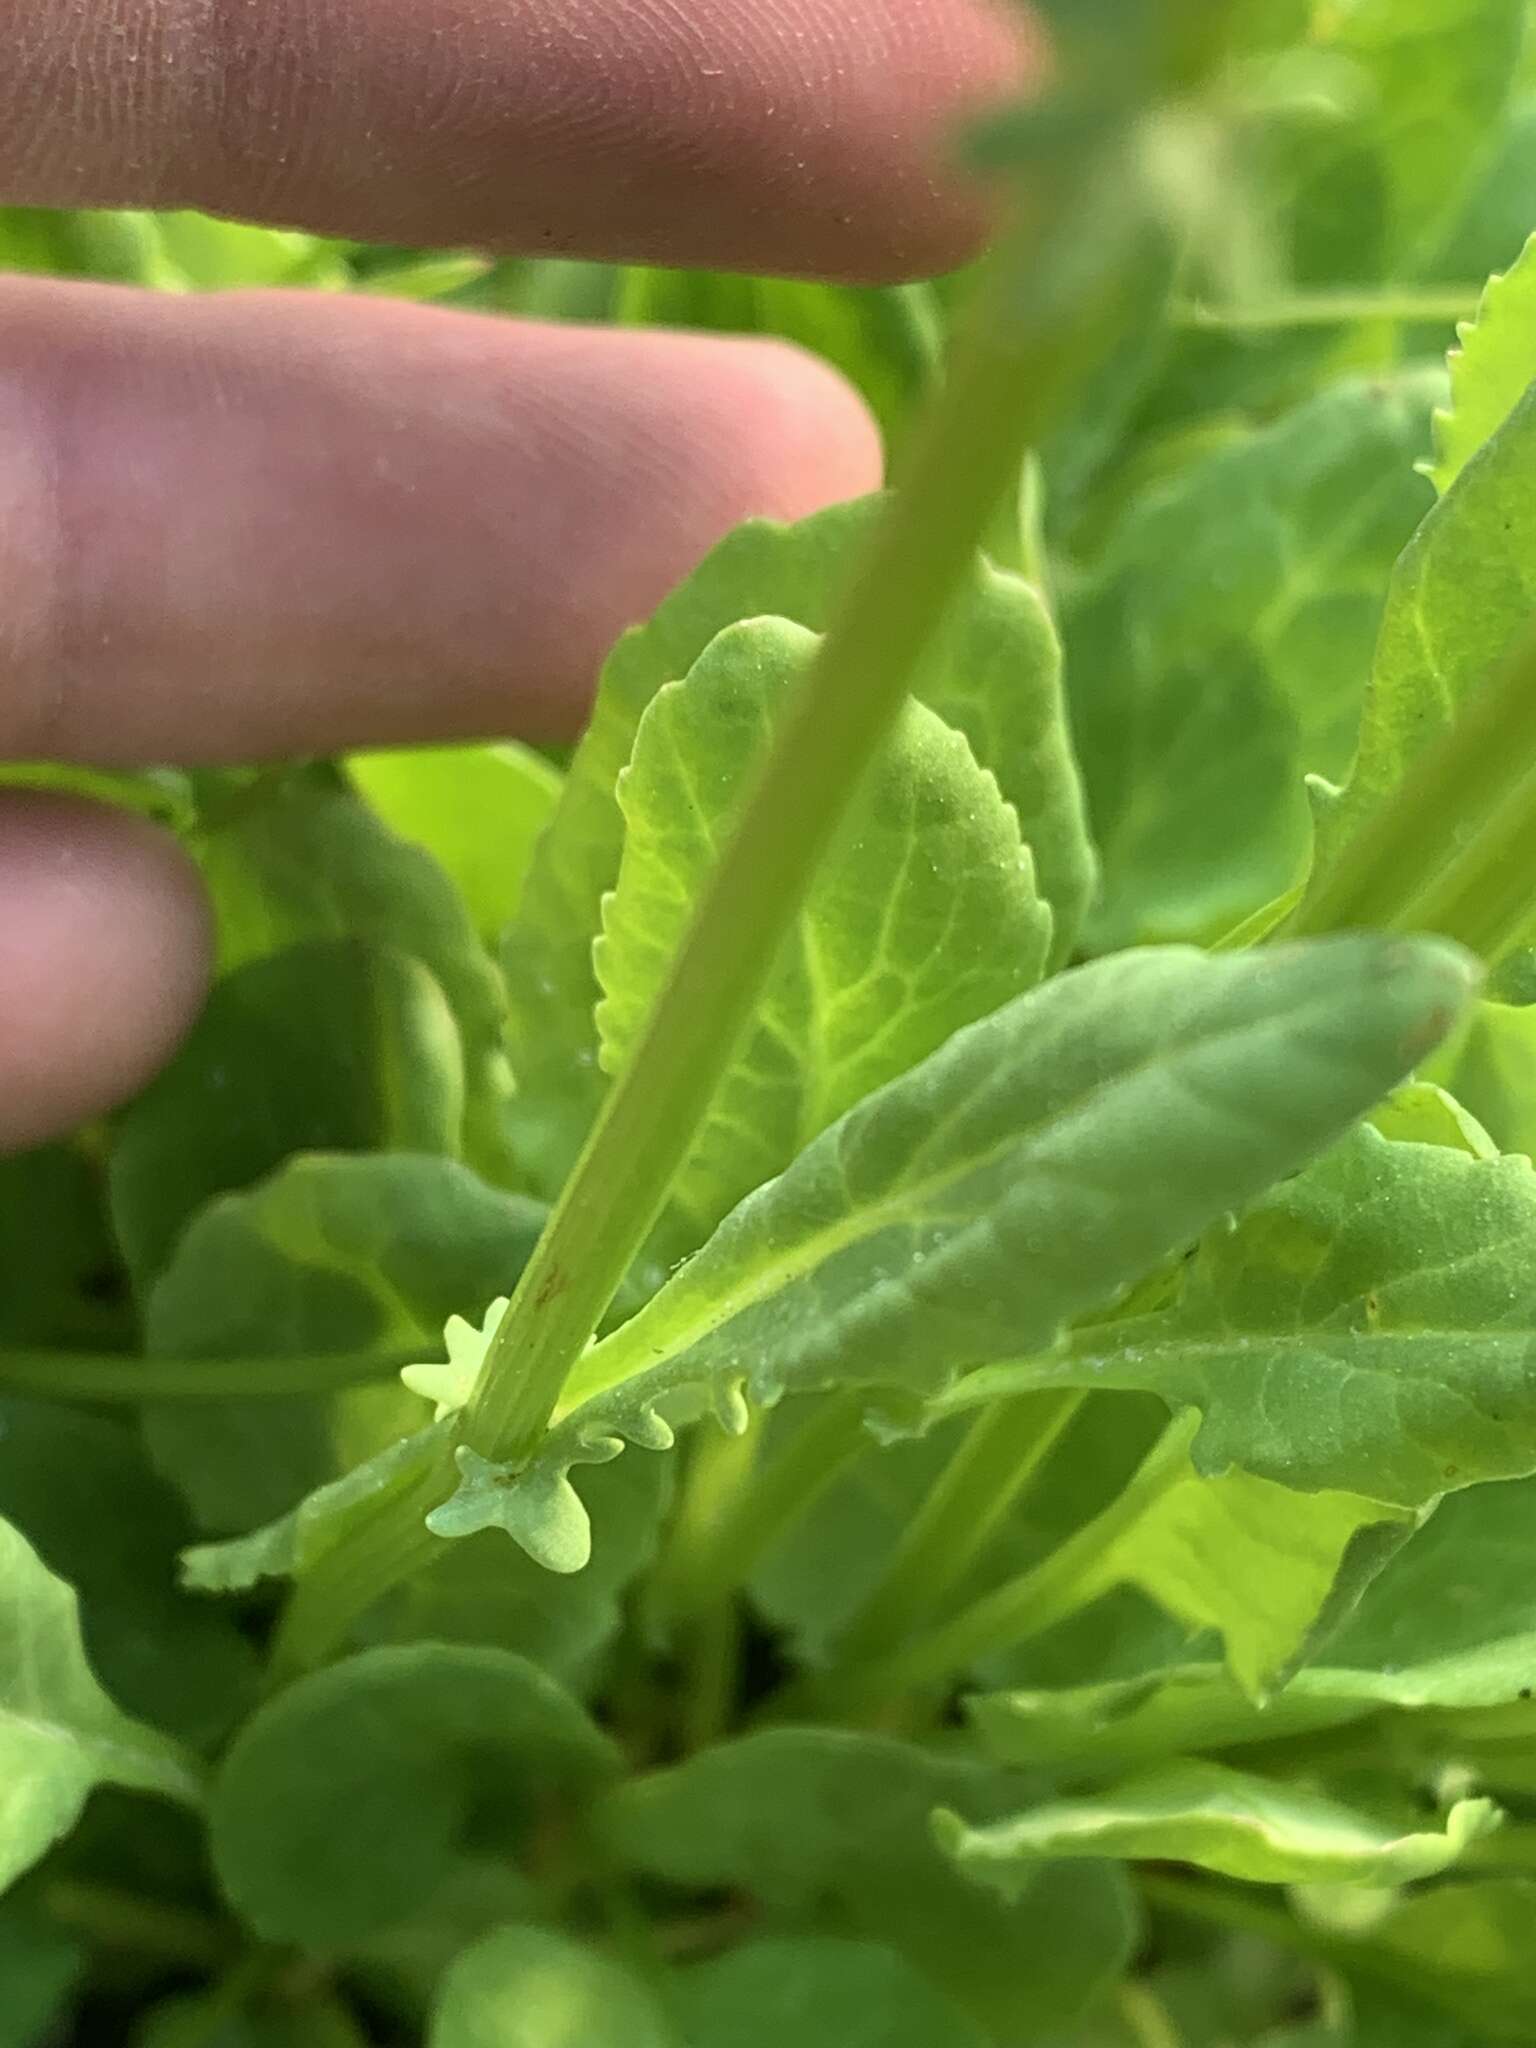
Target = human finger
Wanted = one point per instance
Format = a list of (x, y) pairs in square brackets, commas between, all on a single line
[(104, 953), (804, 136), (274, 524)]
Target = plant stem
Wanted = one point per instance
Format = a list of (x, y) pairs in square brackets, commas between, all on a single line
[(1053, 304), (712, 1642), (692, 1573), (787, 1484), (388, 1545), (1147, 2018), (1431, 305), (1000, 1455), (1478, 777), (1071, 1578), (1026, 352), (105, 1376), (124, 1920)]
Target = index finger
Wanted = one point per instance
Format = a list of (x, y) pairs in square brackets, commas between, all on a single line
[(800, 136)]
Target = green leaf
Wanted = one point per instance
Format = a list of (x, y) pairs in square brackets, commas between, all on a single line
[(1440, 73), (296, 855), (482, 1592), (1219, 1819), (1366, 1329), (79, 1489), (60, 1735), (830, 1830), (344, 1802), (294, 1543), (333, 1046), (1420, 1113), (995, 677), (331, 1254), (923, 918), (1450, 1623), (1490, 1068), (1220, 651), (39, 1969), (1462, 589), (526, 1987), (116, 248), (206, 254), (1262, 1565), (1363, 181), (1491, 370), (818, 1993), (967, 1212), (477, 810)]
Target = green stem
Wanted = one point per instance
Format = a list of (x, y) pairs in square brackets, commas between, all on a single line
[(124, 1920), (1147, 2018), (1431, 305), (1053, 304), (712, 1666), (1071, 1578), (383, 1547), (1026, 352), (785, 1487), (1477, 779), (692, 1573), (104, 1376), (999, 1458)]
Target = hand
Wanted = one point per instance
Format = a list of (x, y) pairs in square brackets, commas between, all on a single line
[(267, 524)]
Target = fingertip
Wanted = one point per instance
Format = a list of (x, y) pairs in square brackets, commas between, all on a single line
[(105, 952), (805, 437)]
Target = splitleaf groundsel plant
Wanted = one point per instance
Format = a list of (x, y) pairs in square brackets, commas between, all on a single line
[(875, 1381)]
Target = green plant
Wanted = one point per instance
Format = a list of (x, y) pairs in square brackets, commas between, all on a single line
[(978, 1484)]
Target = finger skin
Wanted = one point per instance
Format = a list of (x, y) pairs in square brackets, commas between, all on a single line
[(803, 136), (104, 959), (263, 525)]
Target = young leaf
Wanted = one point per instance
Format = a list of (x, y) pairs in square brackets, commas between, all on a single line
[(817, 1992), (477, 810), (334, 1046), (968, 1211), (1491, 370), (299, 856), (1450, 1623), (1219, 1819), (996, 677), (1458, 597), (329, 1254), (923, 918), (526, 1987), (1220, 651), (1367, 1328), (1257, 1562), (60, 1735), (1490, 1068), (836, 1825), (343, 1803)]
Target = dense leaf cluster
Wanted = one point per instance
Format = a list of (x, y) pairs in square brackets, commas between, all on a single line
[(1039, 1552)]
